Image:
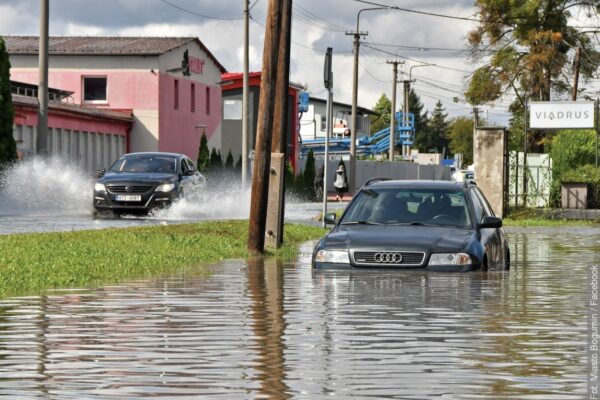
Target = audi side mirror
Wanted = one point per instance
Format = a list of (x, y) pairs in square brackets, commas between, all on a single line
[(100, 173), (490, 222), (330, 219)]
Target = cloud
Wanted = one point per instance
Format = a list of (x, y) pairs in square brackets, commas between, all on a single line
[(318, 24)]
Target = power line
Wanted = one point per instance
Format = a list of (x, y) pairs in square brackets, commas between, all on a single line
[(372, 3), (199, 14), (415, 60), (300, 44)]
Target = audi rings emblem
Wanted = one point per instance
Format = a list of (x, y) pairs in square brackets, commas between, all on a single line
[(388, 258)]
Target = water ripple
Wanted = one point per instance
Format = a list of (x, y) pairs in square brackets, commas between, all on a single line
[(259, 329)]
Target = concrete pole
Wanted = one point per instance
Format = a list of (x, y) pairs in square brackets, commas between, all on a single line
[(245, 95), (354, 95), (266, 110), (393, 118), (42, 128), (405, 121), (329, 130)]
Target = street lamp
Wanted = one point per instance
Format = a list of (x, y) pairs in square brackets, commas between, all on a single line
[(406, 149), (356, 34)]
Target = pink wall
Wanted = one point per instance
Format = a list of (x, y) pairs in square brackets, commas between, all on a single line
[(25, 115), (125, 89), (177, 131)]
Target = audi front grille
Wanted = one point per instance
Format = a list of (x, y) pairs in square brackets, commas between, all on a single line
[(386, 258)]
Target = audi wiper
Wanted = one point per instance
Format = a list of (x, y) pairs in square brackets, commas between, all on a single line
[(361, 222)]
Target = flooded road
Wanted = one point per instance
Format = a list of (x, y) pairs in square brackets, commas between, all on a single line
[(46, 195), (259, 329)]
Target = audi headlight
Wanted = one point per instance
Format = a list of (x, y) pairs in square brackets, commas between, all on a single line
[(450, 259), (99, 187), (165, 187), (333, 256)]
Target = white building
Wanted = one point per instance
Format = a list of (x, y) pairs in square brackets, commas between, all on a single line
[(313, 124)]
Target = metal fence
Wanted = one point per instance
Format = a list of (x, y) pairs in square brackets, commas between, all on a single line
[(367, 169), (535, 190)]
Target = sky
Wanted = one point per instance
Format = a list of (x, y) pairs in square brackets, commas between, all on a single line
[(317, 24)]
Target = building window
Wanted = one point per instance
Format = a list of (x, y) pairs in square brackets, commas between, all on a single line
[(232, 109), (94, 89), (176, 94), (193, 97), (207, 101)]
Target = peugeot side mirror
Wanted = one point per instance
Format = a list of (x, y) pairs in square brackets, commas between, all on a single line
[(490, 222), (100, 173), (330, 219)]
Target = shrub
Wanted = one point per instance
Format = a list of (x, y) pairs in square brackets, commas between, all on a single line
[(571, 149), (586, 174)]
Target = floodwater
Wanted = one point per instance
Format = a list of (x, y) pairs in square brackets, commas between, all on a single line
[(263, 329), (43, 195)]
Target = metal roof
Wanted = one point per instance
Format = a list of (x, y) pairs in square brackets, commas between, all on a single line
[(102, 45), (32, 102)]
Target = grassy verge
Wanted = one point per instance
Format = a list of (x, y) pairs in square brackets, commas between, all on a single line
[(524, 217), (31, 263)]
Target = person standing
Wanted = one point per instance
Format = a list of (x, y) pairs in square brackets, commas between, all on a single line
[(340, 182)]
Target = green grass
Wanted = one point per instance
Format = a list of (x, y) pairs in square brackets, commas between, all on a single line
[(32, 263), (524, 217)]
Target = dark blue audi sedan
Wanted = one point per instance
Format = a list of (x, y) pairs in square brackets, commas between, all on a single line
[(428, 225), (140, 182)]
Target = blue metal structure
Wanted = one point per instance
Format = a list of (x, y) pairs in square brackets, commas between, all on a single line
[(367, 145)]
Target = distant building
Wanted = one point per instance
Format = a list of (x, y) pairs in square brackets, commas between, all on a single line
[(170, 86), (232, 115), (313, 124)]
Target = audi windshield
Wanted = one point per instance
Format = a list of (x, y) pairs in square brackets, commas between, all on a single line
[(440, 207)]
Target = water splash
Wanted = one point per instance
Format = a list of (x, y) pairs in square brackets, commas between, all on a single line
[(42, 186), (215, 201)]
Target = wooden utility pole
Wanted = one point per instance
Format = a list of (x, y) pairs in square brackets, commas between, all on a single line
[(577, 63), (276, 202), (266, 109)]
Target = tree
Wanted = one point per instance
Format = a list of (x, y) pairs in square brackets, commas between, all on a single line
[(8, 146), (416, 107), (203, 153), (229, 164), (308, 176), (215, 164), (460, 138), (434, 136), (383, 120), (531, 44)]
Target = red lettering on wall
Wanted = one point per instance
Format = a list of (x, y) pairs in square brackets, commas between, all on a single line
[(196, 65)]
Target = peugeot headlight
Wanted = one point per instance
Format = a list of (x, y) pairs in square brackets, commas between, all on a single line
[(99, 187), (165, 187), (333, 256), (450, 259)]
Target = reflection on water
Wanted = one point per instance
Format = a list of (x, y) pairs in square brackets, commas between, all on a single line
[(258, 329)]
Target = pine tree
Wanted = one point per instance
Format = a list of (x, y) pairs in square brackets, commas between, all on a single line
[(203, 153), (214, 164), (309, 175), (229, 165), (8, 146), (438, 124)]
